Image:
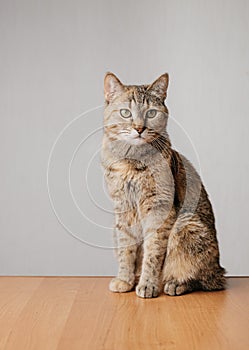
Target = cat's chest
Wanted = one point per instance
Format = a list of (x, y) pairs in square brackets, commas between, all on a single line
[(126, 179)]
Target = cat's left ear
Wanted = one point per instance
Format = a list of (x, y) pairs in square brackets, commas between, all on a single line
[(112, 87), (159, 87)]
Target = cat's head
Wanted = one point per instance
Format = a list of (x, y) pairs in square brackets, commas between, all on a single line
[(135, 114)]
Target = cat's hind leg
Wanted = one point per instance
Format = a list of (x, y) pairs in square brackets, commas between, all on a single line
[(192, 260), (173, 287)]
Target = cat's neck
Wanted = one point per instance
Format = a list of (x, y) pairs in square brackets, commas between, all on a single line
[(120, 150)]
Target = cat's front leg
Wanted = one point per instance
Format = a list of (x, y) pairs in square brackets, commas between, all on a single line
[(125, 280), (126, 243), (154, 254), (155, 246)]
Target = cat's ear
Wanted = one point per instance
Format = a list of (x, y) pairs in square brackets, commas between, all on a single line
[(112, 87), (159, 87)]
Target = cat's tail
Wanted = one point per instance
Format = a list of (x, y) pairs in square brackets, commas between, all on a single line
[(216, 280)]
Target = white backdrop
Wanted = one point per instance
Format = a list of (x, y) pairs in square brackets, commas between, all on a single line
[(54, 54)]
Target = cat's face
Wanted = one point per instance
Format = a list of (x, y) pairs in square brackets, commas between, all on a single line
[(135, 114)]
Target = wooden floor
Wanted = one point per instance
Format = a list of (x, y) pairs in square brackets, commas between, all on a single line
[(80, 313)]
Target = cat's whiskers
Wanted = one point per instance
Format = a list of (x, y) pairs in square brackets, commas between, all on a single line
[(160, 143), (123, 132)]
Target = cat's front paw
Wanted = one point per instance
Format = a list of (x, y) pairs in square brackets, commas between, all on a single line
[(147, 290), (118, 286)]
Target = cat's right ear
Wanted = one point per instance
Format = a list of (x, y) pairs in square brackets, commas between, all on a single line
[(112, 87)]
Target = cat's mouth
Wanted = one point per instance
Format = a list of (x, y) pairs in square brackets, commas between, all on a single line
[(138, 140), (135, 139)]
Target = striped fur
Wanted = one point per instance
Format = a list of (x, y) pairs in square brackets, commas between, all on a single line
[(164, 224)]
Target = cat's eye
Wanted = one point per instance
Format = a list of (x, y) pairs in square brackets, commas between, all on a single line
[(125, 113), (151, 113)]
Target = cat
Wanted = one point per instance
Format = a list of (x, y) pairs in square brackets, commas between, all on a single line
[(164, 231)]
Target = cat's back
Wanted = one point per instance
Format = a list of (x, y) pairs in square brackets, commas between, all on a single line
[(190, 193)]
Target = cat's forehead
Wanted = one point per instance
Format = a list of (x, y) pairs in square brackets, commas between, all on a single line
[(136, 93), (140, 95)]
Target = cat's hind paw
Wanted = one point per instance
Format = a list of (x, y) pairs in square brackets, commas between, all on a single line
[(119, 286), (174, 288), (147, 290)]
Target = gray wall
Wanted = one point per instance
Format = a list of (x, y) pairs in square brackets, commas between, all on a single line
[(54, 54)]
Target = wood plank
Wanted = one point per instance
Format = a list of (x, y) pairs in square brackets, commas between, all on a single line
[(217, 320), (14, 295), (80, 313), (41, 321)]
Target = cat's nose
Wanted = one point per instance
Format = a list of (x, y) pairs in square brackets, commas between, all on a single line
[(140, 129)]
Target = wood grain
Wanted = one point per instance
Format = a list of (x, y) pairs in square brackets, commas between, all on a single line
[(80, 313)]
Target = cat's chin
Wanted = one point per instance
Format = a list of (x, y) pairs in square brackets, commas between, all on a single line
[(136, 141), (123, 149)]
